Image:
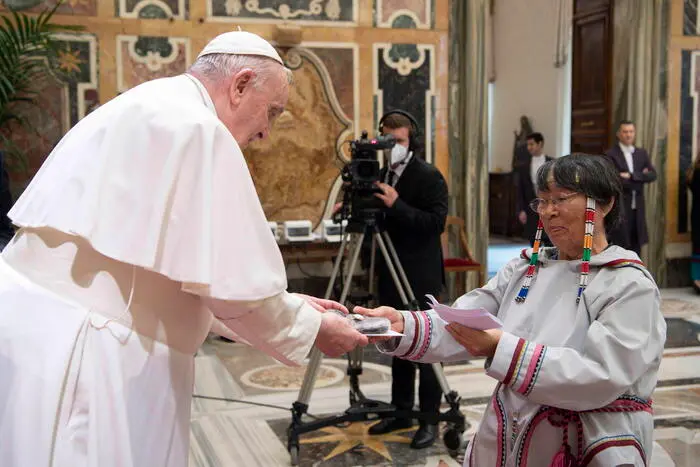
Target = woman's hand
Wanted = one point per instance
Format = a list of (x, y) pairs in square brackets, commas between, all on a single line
[(391, 314), (322, 305), (477, 343)]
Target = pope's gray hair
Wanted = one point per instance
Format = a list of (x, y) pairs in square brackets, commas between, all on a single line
[(220, 67)]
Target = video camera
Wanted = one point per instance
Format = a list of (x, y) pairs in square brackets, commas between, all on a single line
[(360, 177)]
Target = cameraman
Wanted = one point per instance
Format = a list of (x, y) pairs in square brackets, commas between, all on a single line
[(415, 197)]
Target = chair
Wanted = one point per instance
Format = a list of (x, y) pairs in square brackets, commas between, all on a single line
[(465, 262)]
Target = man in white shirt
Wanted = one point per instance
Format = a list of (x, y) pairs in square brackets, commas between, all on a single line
[(636, 169), (526, 172)]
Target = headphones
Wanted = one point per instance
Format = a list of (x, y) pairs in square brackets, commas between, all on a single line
[(413, 132)]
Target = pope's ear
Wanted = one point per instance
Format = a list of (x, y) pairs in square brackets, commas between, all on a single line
[(241, 83)]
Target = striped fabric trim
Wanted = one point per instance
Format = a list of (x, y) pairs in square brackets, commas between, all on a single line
[(514, 361), (416, 336), (620, 263), (501, 429), (602, 444), (521, 363), (532, 370), (427, 335), (422, 336), (525, 366), (624, 404), (524, 448)]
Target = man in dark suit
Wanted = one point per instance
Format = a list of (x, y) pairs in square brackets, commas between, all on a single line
[(635, 168), (6, 231), (415, 197), (526, 173)]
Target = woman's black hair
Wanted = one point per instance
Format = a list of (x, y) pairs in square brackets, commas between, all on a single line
[(591, 175)]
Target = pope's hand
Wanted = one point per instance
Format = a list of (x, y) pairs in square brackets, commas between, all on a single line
[(337, 336), (396, 318), (322, 305)]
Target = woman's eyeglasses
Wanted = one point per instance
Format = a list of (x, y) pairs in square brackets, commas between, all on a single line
[(538, 204)]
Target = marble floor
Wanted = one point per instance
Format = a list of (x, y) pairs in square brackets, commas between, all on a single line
[(254, 432)]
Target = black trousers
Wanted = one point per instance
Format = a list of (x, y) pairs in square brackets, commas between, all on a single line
[(634, 233), (403, 373)]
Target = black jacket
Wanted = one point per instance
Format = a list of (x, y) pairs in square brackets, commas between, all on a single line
[(415, 223), (525, 193), (640, 161)]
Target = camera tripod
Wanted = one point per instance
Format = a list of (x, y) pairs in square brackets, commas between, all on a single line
[(362, 408)]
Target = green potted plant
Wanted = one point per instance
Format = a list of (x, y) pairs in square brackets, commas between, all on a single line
[(25, 47)]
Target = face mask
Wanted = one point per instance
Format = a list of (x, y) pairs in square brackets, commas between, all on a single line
[(398, 153)]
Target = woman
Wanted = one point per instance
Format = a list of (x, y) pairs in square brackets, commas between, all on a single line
[(693, 180), (578, 355)]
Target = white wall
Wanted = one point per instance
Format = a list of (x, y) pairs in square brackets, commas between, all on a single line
[(527, 83)]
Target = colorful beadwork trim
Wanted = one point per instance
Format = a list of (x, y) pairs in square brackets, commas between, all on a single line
[(587, 246), (522, 295), (423, 333)]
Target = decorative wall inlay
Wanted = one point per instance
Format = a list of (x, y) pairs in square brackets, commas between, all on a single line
[(691, 20), (64, 98), (296, 167), (334, 12), (404, 14), (142, 58), (141, 40), (69, 7), (405, 79), (152, 9)]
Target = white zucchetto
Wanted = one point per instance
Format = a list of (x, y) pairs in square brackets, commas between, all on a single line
[(240, 43)]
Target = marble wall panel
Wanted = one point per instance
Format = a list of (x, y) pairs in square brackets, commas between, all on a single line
[(691, 22), (152, 9), (295, 169), (332, 12), (405, 79), (408, 14), (142, 58), (66, 96), (69, 7)]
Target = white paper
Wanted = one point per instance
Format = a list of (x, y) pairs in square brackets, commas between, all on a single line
[(477, 318)]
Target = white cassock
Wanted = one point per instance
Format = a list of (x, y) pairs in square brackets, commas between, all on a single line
[(142, 225), (596, 362)]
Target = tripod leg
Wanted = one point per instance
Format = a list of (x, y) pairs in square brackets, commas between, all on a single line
[(451, 396), (351, 270), (402, 274), (440, 374), (392, 269), (336, 266), (316, 355), (372, 266)]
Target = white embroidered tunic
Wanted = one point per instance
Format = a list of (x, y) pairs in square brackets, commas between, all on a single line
[(591, 368)]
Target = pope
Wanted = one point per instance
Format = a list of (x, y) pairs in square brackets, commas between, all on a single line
[(140, 232)]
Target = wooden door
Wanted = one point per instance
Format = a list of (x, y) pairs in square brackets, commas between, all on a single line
[(591, 90)]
